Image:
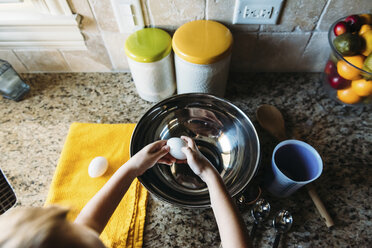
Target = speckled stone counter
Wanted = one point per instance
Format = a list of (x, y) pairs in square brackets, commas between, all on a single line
[(32, 133)]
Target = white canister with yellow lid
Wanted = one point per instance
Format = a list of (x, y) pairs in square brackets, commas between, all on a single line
[(202, 57), (149, 57)]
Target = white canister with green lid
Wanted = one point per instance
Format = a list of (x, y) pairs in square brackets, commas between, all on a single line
[(148, 51)]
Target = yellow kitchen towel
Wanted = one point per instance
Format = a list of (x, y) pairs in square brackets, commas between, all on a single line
[(73, 188)]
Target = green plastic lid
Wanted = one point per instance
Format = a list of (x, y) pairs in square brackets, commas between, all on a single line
[(148, 45)]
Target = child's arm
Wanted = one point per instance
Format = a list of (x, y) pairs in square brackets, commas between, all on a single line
[(233, 231), (99, 209)]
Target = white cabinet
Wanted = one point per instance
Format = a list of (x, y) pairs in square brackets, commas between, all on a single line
[(38, 24)]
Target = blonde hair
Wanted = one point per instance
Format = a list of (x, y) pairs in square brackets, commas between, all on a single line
[(37, 228)]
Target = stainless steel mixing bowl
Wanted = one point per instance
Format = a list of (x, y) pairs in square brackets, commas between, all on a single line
[(223, 133)]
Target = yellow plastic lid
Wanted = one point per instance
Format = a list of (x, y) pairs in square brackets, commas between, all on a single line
[(148, 45), (202, 42)]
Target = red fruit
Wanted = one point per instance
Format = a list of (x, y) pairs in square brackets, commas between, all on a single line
[(330, 68), (337, 82), (340, 28), (354, 22)]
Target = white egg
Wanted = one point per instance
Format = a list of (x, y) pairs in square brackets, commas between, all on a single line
[(97, 167), (176, 145)]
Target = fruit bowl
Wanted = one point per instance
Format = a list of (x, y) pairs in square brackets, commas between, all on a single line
[(347, 75)]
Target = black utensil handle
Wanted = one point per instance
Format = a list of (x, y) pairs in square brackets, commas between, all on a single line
[(277, 240), (253, 231), (7, 197)]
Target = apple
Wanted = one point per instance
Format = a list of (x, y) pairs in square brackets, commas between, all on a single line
[(354, 21), (330, 68), (337, 82), (341, 27)]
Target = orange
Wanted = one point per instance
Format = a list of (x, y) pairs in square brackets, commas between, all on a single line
[(362, 87), (347, 71), (348, 96)]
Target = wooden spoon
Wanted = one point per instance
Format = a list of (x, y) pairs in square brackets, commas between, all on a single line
[(272, 120)]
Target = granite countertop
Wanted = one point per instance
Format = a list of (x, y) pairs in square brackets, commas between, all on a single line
[(33, 132)]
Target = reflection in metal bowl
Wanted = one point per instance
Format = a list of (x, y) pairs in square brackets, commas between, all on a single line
[(223, 133)]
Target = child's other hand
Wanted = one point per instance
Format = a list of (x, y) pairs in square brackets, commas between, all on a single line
[(199, 164), (147, 157)]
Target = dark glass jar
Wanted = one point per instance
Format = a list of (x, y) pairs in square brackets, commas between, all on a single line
[(11, 84)]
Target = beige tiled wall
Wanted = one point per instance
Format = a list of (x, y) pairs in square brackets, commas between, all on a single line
[(297, 43)]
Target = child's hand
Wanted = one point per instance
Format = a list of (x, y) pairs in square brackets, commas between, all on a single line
[(199, 164), (147, 157)]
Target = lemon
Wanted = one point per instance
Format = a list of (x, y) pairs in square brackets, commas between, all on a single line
[(367, 36), (366, 18), (364, 28)]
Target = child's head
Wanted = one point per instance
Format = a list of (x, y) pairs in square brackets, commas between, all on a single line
[(44, 228)]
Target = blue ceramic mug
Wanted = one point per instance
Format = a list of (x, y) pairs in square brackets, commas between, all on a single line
[(294, 164)]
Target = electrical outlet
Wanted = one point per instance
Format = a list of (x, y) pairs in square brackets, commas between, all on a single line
[(128, 15), (257, 11)]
